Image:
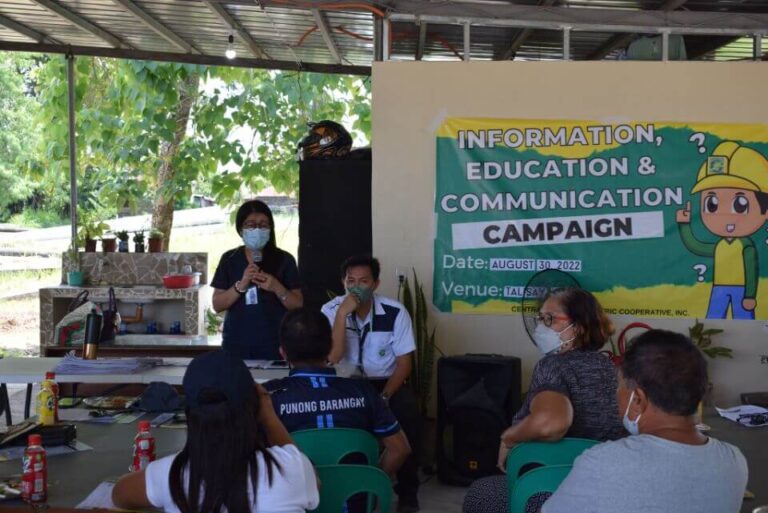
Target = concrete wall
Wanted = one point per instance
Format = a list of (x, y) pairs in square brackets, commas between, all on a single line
[(410, 99)]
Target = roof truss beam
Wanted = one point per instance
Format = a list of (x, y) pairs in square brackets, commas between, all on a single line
[(22, 29), (322, 25), (622, 40), (422, 42), (81, 22), (160, 29), (522, 36), (237, 28), (591, 20), (186, 58)]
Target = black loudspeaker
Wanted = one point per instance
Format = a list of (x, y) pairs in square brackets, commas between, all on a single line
[(477, 396), (334, 222)]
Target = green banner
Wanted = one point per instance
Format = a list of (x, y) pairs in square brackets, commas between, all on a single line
[(657, 219)]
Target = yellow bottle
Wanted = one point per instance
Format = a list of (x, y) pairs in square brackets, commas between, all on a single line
[(46, 405)]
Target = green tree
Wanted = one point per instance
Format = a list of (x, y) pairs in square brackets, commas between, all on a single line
[(17, 134), (160, 130)]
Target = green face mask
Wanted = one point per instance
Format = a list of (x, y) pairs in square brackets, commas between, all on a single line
[(364, 294)]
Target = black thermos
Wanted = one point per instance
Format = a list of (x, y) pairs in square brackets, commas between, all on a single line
[(92, 335)]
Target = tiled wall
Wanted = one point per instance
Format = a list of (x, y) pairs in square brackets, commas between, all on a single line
[(119, 269)]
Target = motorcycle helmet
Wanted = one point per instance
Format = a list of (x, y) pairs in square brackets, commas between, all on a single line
[(325, 140)]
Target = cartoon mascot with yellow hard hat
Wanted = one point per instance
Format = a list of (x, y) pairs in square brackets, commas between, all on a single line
[(733, 183)]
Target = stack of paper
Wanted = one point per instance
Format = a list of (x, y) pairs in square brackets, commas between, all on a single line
[(72, 364), (743, 415)]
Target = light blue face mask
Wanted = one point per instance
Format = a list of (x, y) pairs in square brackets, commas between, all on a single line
[(256, 238), (632, 426)]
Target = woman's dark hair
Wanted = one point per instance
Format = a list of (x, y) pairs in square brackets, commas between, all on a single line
[(586, 313), (361, 261), (270, 254), (305, 335), (669, 368), (220, 456)]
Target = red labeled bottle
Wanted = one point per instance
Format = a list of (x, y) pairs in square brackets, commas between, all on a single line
[(143, 447), (34, 481), (50, 377)]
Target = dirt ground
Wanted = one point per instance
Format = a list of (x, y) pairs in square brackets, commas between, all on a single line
[(19, 326)]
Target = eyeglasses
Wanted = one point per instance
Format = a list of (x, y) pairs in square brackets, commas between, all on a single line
[(547, 319), (251, 226), (753, 419)]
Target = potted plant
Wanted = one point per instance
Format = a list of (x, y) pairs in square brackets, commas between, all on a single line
[(156, 240), (421, 378), (122, 236), (108, 243), (702, 338), (74, 274), (90, 230), (138, 241)]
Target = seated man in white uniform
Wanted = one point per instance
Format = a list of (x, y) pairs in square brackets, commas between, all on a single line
[(374, 334)]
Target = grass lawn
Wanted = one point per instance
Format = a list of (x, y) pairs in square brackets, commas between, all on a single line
[(24, 281)]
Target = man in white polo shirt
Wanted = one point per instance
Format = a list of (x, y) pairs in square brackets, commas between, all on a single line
[(374, 334)]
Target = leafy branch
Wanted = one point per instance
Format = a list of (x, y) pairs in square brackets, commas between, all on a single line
[(702, 338)]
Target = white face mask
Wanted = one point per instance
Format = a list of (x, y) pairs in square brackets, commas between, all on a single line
[(632, 426), (548, 340)]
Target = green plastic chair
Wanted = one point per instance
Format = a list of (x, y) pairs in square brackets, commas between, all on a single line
[(562, 452), (340, 482), (330, 446), (538, 480)]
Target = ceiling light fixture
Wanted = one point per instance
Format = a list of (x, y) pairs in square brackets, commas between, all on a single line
[(231, 53)]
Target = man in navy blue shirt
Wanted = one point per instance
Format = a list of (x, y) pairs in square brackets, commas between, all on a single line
[(313, 396)]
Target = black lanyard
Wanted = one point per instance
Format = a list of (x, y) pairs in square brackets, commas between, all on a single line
[(362, 334)]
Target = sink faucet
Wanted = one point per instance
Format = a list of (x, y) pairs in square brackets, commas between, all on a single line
[(137, 317), (101, 262)]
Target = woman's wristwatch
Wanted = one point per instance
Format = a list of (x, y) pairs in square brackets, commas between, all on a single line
[(282, 297), (237, 289)]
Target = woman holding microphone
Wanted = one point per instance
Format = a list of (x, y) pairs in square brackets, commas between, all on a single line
[(255, 283)]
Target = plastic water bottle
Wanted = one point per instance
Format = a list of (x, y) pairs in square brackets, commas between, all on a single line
[(46, 405), (50, 381), (143, 447), (34, 488)]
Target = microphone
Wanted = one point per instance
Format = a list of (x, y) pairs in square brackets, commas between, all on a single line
[(257, 256)]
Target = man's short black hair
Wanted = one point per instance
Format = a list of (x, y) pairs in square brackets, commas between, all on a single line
[(669, 368), (361, 261), (305, 335)]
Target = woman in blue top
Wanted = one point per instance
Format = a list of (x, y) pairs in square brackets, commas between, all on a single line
[(256, 284)]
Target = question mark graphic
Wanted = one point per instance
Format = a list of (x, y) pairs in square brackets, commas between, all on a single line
[(698, 139), (700, 269)]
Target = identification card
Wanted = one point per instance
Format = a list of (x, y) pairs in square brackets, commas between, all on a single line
[(252, 296)]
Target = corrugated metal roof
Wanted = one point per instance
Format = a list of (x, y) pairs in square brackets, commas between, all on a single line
[(287, 30)]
